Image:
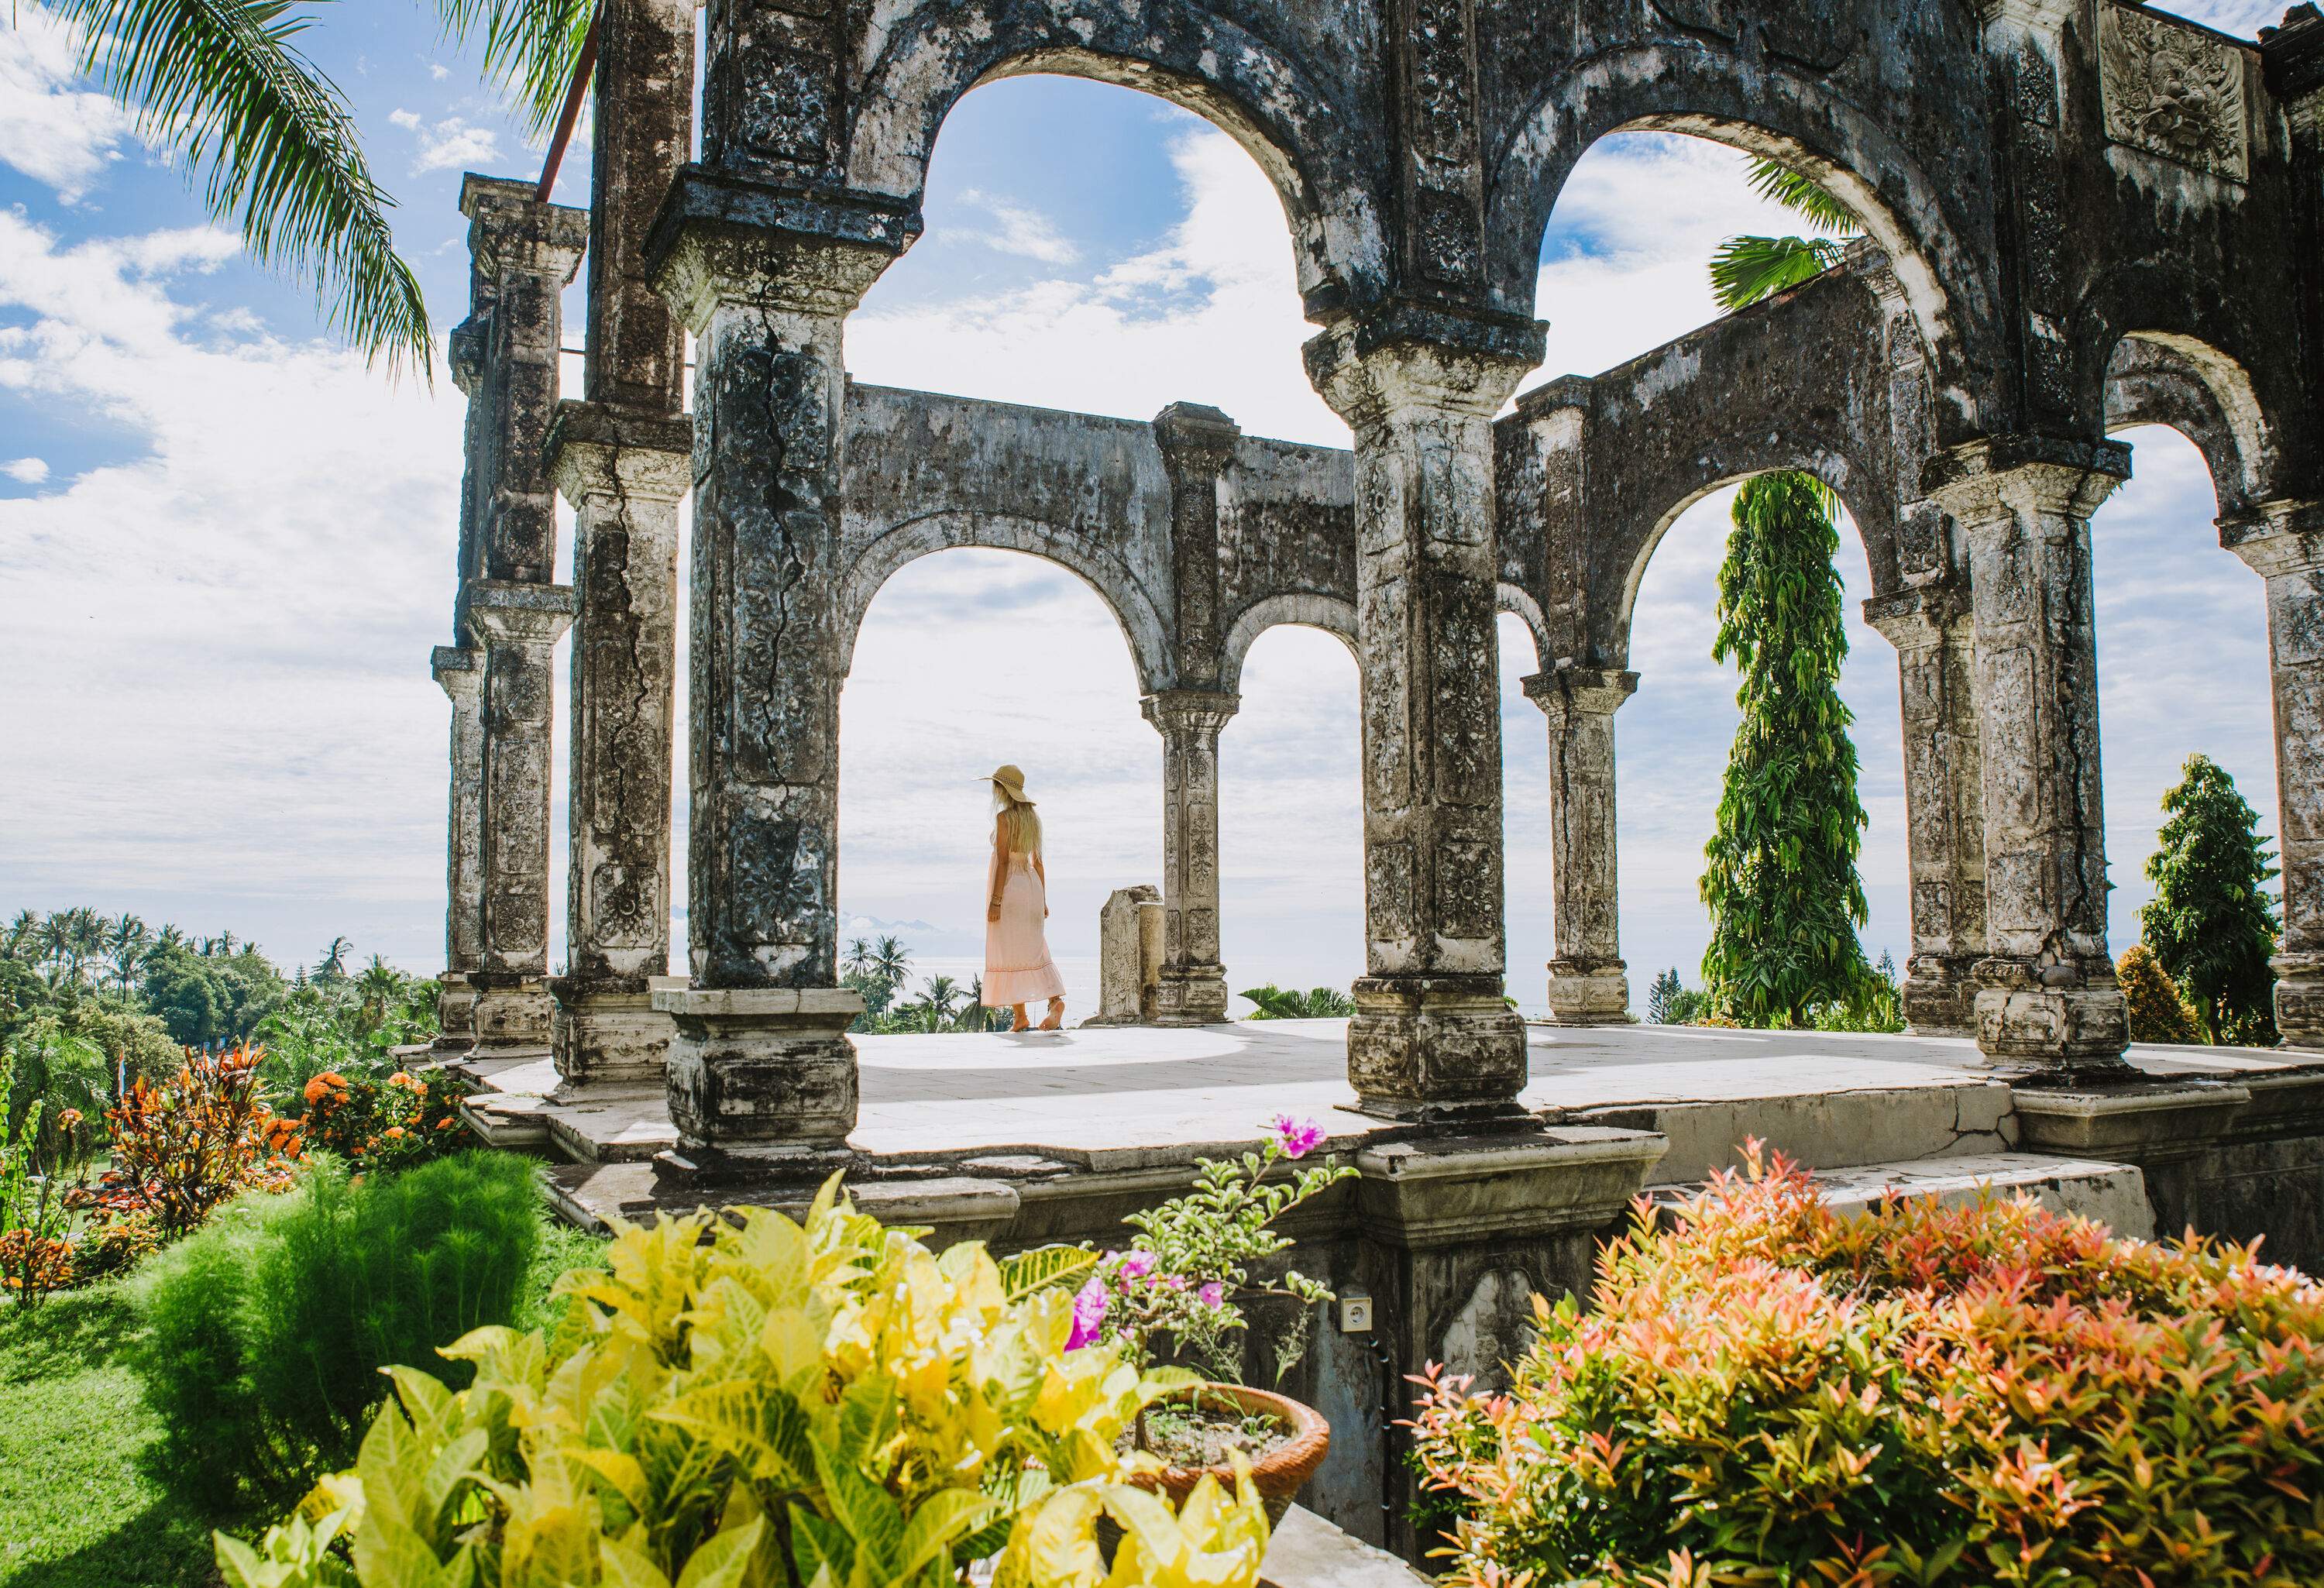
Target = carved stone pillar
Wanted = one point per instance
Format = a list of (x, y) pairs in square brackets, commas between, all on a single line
[(1588, 983), (461, 673), (1191, 988), (2285, 543), (519, 624), (624, 473), (765, 277), (2046, 994), (1432, 1034), (1944, 801)]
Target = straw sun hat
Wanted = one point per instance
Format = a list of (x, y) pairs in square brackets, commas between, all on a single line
[(1011, 782)]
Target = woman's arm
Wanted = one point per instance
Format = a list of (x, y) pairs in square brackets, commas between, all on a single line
[(996, 876), (1042, 873)]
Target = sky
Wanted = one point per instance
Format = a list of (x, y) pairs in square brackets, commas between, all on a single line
[(227, 546)]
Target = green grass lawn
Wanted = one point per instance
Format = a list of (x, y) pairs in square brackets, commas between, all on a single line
[(81, 1504)]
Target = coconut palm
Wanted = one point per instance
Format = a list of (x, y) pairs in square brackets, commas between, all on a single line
[(378, 991), (333, 966), (891, 959), (127, 941), (224, 87), (1748, 268)]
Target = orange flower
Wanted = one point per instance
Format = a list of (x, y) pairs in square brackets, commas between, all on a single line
[(70, 1118), (403, 1078), (393, 1131), (445, 1123)]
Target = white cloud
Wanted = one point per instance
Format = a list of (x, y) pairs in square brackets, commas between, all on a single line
[(1022, 230), (409, 120), (439, 71), (449, 144), (28, 471), (54, 131)]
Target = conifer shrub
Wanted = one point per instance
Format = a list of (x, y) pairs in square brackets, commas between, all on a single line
[(2158, 1011), (266, 1331), (1922, 1395)]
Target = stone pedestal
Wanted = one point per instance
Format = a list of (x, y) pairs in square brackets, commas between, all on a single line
[(1190, 986), (2046, 994), (1128, 955), (1945, 802), (461, 674), (2285, 542), (625, 474), (1589, 985), (1432, 1034), (753, 1071)]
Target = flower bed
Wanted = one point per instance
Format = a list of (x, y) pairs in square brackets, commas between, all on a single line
[(1770, 1392)]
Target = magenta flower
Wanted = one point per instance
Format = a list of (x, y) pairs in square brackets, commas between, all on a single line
[(1213, 1294), (1299, 1137), (1089, 1311), (1133, 1264)]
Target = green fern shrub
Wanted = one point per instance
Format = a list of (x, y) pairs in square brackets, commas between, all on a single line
[(1921, 1396), (266, 1331)]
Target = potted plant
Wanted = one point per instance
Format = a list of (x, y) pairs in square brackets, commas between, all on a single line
[(1184, 1283)]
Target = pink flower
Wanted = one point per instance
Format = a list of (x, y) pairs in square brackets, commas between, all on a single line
[(1213, 1294), (1133, 1264), (1089, 1311), (1299, 1137)]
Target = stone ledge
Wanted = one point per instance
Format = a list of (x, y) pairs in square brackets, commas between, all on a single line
[(2127, 1119), (751, 1003)]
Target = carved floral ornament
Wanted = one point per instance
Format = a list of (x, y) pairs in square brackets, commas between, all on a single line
[(2173, 91)]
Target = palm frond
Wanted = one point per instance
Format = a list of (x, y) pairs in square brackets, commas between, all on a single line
[(530, 47), (1748, 269), (221, 81), (1799, 194)]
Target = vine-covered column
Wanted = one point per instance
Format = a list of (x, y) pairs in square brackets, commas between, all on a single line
[(1588, 984), (1433, 1033)]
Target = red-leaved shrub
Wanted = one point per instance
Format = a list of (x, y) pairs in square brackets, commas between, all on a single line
[(181, 1148), (1992, 1394)]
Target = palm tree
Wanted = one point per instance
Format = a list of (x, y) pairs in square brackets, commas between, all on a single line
[(333, 966), (943, 997), (22, 937), (891, 959), (859, 957), (377, 991), (170, 937), (224, 84), (1748, 268), (127, 940)]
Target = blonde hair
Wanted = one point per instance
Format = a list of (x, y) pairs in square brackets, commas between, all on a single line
[(1019, 828)]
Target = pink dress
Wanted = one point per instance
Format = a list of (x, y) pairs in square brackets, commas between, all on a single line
[(1017, 968)]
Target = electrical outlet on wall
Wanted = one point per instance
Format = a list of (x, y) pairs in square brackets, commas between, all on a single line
[(1355, 1312)]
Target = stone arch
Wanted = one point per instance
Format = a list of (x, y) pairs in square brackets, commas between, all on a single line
[(1831, 468), (1516, 599), (1941, 264), (2158, 378), (1304, 608), (877, 562), (1309, 142)]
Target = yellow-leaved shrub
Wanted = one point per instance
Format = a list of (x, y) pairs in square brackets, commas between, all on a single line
[(759, 1402)]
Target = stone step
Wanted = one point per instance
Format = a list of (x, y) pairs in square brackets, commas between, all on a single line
[(2113, 1194), (1823, 1129)]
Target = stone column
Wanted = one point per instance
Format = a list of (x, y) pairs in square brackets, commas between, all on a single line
[(2284, 542), (1192, 989), (1432, 1034), (461, 674), (765, 276), (519, 624), (1588, 985), (2046, 995), (1944, 801), (625, 473)]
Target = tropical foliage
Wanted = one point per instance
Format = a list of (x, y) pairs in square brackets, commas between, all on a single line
[(753, 1400), (2159, 1012), (1277, 1004), (1769, 1391), (178, 1149), (2212, 923), (876, 967)]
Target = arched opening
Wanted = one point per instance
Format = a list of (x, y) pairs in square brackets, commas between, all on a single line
[(1527, 877), (2182, 647), (1291, 820), (968, 659), (1672, 742)]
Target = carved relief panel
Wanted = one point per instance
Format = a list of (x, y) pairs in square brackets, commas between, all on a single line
[(2175, 91)]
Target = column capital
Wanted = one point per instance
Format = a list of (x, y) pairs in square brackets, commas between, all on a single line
[(1922, 616), (720, 238), (459, 670), (1567, 691), (510, 229), (2279, 536), (601, 449), (464, 351), (2000, 477), (1179, 711), (1196, 439), (1405, 356), (2047, 17), (512, 609)]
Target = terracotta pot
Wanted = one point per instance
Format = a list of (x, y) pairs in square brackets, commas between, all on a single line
[(1279, 1475)]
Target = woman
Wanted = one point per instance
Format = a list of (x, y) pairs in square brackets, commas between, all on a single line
[(1017, 968)]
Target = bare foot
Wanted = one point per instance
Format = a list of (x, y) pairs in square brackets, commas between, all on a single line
[(1020, 1024), (1056, 1015)]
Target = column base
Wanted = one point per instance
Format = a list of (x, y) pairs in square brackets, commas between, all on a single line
[(1939, 997), (512, 1013), (2300, 999), (456, 1014), (1590, 992), (1190, 995), (607, 1031), (2028, 1029), (1428, 1048), (761, 1069)]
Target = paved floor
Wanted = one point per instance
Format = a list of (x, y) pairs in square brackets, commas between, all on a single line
[(1108, 1093)]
